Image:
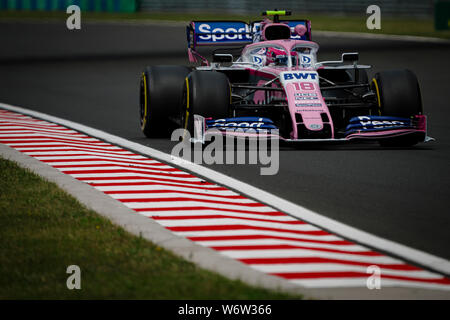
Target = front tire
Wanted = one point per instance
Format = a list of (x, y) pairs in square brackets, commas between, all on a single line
[(161, 93), (398, 95)]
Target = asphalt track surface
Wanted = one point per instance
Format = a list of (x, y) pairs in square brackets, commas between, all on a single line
[(91, 76)]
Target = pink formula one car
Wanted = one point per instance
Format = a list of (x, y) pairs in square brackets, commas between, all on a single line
[(276, 87)]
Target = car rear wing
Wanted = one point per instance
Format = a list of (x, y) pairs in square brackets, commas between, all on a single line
[(213, 33)]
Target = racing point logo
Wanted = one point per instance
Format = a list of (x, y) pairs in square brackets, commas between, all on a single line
[(226, 147)]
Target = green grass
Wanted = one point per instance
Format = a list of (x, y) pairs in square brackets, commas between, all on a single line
[(389, 25), (43, 230)]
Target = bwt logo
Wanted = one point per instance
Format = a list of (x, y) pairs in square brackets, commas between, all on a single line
[(229, 33), (299, 75)]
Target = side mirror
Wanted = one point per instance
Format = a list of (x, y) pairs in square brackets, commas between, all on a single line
[(350, 57), (222, 57)]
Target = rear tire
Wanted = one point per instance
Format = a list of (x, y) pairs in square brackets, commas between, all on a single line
[(161, 93), (398, 95), (206, 93)]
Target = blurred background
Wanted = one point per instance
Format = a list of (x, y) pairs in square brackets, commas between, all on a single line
[(435, 12), (423, 8)]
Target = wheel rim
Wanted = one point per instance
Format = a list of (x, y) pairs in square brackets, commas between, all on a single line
[(377, 92), (143, 101)]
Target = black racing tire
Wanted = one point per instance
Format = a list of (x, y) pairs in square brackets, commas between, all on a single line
[(161, 94), (206, 93), (398, 94)]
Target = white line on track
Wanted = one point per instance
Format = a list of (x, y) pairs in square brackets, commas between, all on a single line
[(216, 193), (320, 267), (275, 241), (247, 232), (231, 221), (349, 282), (286, 253), (175, 194)]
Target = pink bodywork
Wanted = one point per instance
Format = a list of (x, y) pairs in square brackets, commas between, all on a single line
[(311, 115)]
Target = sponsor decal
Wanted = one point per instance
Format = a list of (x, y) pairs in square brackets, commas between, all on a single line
[(315, 126), (300, 76), (223, 32), (257, 60), (241, 123), (300, 110), (308, 104), (302, 80), (306, 98), (377, 123), (368, 121), (305, 94), (234, 31), (305, 61)]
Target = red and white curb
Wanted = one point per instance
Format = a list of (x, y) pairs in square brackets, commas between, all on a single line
[(214, 216)]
